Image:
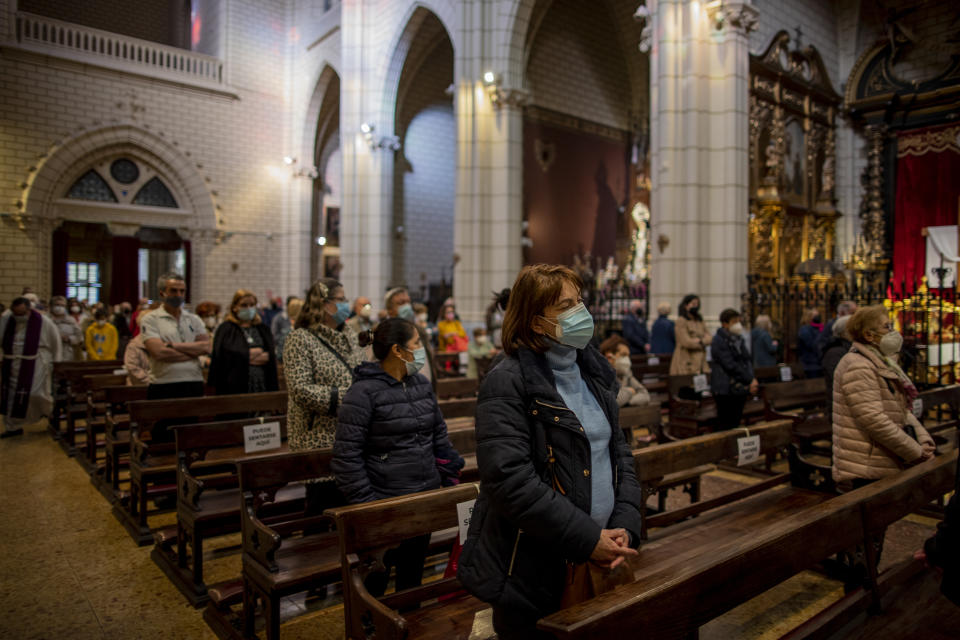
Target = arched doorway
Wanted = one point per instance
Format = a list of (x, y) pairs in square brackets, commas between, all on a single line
[(583, 131), (425, 165), (100, 253)]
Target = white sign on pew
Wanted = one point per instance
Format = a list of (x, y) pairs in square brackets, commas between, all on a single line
[(786, 374), (700, 383), (653, 361), (749, 448), (261, 437), (464, 513)]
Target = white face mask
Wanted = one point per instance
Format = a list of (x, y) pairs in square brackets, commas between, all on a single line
[(482, 339), (74, 309), (210, 322), (422, 318), (100, 323), (59, 310), (891, 343), (623, 365), (736, 328)]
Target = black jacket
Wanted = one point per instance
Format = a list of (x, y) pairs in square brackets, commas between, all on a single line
[(730, 363), (230, 359), (943, 549), (834, 350), (523, 530), (390, 437)]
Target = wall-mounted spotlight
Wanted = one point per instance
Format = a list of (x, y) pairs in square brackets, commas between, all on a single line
[(289, 160), (321, 240)]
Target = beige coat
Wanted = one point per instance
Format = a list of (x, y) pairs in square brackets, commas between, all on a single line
[(870, 410), (690, 356)]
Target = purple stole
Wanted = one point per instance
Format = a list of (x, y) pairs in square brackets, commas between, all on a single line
[(21, 395)]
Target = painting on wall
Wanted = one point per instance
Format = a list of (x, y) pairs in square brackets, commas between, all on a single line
[(793, 160)]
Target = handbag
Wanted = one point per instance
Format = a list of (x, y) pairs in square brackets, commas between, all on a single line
[(586, 580)]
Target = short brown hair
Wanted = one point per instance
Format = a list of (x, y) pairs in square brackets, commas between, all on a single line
[(866, 319), (537, 287), (611, 344)]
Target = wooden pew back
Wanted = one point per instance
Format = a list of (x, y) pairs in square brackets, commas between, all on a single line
[(459, 387), (363, 528), (796, 394), (944, 404)]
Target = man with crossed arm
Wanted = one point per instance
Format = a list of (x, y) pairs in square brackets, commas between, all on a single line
[(175, 340)]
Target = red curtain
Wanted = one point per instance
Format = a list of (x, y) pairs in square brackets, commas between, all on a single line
[(60, 247), (125, 272), (928, 195)]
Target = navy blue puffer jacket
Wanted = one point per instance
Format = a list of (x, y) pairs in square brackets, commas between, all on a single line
[(390, 434)]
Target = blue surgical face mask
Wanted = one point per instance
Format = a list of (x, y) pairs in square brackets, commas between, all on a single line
[(574, 327), (405, 311), (247, 314), (419, 359), (343, 312)]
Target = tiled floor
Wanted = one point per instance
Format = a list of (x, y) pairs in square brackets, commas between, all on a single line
[(68, 569)]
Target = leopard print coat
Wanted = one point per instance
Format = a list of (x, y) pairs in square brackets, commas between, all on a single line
[(313, 373)]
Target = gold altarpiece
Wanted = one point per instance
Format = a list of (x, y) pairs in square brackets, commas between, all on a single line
[(793, 110)]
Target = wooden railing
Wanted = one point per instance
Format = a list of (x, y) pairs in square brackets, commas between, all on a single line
[(115, 51)]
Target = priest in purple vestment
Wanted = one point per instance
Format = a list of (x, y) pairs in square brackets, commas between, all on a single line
[(30, 343)]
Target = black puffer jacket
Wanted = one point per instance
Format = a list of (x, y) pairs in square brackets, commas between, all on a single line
[(390, 435), (732, 370), (523, 530)]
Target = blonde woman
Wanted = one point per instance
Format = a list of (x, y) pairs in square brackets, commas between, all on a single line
[(243, 359)]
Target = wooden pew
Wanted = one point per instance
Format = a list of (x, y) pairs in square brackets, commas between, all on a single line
[(459, 387), (648, 416), (944, 405), (95, 420), (447, 364), (803, 402), (691, 413), (275, 562), (116, 439), (208, 498), (70, 399), (458, 407), (153, 464), (365, 528), (688, 580), (684, 462), (653, 371), (766, 375)]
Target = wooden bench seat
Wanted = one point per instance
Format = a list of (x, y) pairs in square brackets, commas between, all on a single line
[(276, 563), (803, 402), (684, 582), (459, 387), (365, 528), (95, 423), (153, 464), (941, 407), (683, 463), (70, 397), (208, 498), (116, 439)]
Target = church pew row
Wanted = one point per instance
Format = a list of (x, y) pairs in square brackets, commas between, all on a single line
[(687, 574), (116, 427), (69, 397), (89, 454), (803, 402), (153, 464), (672, 597), (208, 497)]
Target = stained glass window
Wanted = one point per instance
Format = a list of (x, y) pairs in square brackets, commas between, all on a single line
[(124, 171), (155, 194), (91, 186)]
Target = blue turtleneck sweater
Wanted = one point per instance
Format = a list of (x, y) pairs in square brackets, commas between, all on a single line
[(578, 398)]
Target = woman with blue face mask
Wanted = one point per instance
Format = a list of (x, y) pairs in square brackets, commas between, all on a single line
[(319, 357), (392, 439), (243, 358), (557, 485)]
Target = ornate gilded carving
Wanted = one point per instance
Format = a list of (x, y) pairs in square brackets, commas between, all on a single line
[(828, 178), (765, 226), (873, 217)]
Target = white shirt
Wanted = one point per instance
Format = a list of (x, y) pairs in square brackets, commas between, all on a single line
[(163, 326)]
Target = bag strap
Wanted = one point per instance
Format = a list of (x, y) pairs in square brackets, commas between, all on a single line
[(337, 354)]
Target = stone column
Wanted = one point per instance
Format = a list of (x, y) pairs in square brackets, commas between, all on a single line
[(366, 210), (489, 191), (699, 74)]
